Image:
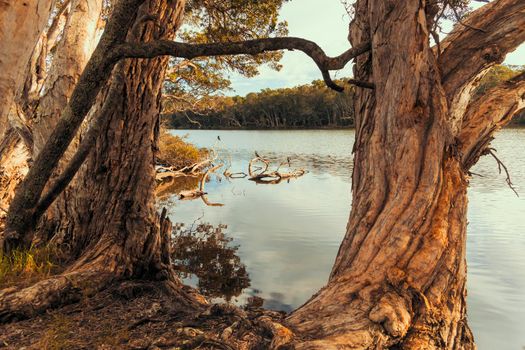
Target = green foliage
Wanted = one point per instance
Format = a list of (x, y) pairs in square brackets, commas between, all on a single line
[(208, 21), (28, 265), (174, 151), (306, 106)]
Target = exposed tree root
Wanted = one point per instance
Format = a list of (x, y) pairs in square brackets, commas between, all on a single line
[(50, 293), (146, 315)]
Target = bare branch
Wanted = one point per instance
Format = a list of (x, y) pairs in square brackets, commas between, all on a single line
[(501, 165), (249, 47)]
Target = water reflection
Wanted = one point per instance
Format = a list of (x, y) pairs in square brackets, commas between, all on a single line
[(206, 252), (288, 235), (170, 186)]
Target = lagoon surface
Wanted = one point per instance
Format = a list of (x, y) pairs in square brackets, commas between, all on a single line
[(288, 233)]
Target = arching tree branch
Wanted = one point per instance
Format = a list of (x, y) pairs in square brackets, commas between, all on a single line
[(487, 114), (249, 47)]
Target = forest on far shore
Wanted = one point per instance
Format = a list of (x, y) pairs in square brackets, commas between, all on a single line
[(307, 106)]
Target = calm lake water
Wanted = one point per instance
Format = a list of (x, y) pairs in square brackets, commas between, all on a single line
[(288, 234)]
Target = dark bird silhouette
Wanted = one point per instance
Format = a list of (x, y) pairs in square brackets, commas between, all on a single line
[(257, 155), (219, 138), (289, 160)]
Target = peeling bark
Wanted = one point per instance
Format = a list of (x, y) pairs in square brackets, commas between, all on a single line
[(72, 53), (400, 274), (71, 56), (21, 23)]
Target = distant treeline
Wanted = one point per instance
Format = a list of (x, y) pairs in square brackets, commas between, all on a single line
[(306, 106), (302, 107)]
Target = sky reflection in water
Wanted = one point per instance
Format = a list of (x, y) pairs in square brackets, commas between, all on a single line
[(288, 234)]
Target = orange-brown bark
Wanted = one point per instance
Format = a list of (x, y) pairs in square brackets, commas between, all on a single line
[(399, 278), (400, 274)]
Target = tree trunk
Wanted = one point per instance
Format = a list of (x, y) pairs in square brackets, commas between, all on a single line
[(78, 42), (112, 214), (399, 279), (76, 25), (21, 23)]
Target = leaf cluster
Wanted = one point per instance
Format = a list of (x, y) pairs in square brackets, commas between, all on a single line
[(208, 21)]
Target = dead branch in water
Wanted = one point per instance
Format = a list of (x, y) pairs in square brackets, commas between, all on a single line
[(261, 174), (200, 192)]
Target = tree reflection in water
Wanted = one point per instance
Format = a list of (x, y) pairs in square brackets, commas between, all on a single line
[(206, 252)]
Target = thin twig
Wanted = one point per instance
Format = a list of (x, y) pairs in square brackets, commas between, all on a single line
[(492, 151)]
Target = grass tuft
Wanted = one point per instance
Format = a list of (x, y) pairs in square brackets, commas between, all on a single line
[(28, 265)]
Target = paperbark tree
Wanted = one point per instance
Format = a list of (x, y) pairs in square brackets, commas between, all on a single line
[(399, 277), (72, 52), (43, 92), (21, 23)]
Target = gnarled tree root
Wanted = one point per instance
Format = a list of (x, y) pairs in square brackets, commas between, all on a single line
[(50, 293)]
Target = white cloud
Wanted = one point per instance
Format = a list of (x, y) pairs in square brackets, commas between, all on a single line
[(322, 21), (326, 23)]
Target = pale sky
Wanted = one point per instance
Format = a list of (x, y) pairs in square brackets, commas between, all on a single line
[(326, 23)]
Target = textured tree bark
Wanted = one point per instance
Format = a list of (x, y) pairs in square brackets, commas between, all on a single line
[(400, 275), (71, 56), (72, 53), (20, 220), (114, 229), (116, 185), (79, 21), (21, 23)]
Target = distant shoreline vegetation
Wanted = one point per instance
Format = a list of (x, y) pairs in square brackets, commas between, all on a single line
[(310, 106)]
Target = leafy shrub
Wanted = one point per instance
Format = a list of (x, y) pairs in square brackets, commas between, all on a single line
[(174, 151)]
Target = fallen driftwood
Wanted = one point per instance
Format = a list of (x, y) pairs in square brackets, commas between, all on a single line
[(258, 171), (164, 172), (196, 193)]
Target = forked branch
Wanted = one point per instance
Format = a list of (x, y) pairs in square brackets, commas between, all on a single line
[(502, 165)]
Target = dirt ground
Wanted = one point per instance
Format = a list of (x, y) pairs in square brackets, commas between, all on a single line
[(145, 315)]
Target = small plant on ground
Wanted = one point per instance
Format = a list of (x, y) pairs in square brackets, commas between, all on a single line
[(29, 265)]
